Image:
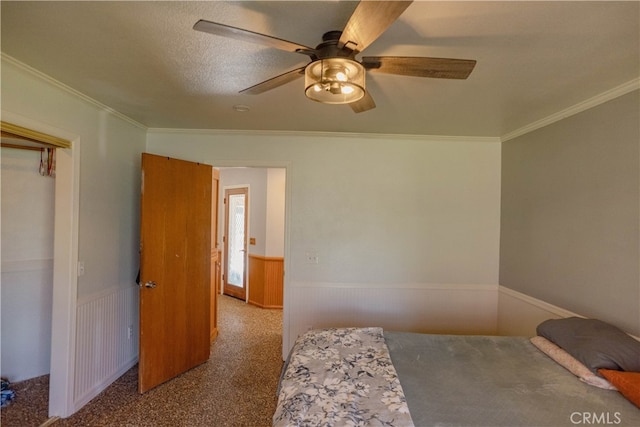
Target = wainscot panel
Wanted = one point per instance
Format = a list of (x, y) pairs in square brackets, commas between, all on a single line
[(426, 308), (266, 277), (107, 340)]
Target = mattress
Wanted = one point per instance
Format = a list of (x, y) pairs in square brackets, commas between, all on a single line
[(443, 380), (451, 380)]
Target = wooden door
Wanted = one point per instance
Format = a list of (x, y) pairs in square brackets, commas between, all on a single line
[(215, 257), (175, 260), (236, 202)]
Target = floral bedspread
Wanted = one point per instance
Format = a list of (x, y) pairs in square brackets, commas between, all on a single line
[(341, 377)]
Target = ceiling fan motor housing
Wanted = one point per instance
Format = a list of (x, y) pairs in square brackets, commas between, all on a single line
[(329, 47)]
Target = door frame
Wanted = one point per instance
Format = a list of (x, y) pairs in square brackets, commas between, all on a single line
[(247, 220), (65, 255), (287, 165)]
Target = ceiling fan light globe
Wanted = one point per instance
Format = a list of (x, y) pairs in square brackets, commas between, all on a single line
[(346, 89), (341, 76), (342, 79)]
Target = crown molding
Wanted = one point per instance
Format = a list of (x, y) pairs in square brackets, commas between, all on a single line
[(354, 135), (575, 109), (617, 91), (24, 67)]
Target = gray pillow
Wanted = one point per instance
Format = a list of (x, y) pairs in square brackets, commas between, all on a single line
[(593, 342)]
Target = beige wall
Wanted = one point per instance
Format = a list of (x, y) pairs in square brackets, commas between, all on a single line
[(399, 219), (97, 195), (109, 150), (570, 213)]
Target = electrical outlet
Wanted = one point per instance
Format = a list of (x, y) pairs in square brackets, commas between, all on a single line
[(129, 332), (80, 268), (312, 257)]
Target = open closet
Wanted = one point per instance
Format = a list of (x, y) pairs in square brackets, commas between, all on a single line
[(28, 202)]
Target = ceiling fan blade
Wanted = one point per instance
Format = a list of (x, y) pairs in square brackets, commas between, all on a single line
[(439, 68), (274, 82), (369, 21), (250, 36), (363, 104)]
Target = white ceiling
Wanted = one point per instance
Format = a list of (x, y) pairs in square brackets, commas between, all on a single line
[(144, 60)]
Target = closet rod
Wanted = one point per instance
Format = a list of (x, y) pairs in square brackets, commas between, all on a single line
[(9, 129), (21, 147)]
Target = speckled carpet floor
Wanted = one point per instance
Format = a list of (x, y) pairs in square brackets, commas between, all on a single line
[(236, 387)]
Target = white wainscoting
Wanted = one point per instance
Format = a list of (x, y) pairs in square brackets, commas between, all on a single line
[(520, 314), (104, 348), (427, 308)]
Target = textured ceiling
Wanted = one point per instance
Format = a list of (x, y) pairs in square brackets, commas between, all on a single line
[(144, 60)]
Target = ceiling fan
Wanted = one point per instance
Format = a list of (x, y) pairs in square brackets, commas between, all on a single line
[(334, 76)]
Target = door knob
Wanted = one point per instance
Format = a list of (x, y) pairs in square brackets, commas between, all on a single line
[(150, 284)]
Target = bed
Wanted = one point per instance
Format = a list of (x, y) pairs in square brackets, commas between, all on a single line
[(367, 376)]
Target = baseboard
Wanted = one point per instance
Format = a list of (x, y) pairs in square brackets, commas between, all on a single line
[(49, 422), (266, 306), (519, 314)]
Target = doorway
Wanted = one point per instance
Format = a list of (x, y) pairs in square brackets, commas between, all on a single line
[(28, 198), (264, 238), (65, 254), (236, 213)]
